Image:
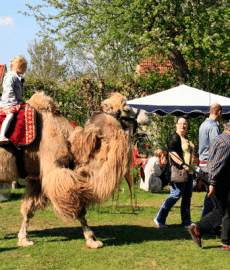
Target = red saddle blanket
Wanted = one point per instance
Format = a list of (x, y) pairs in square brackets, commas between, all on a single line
[(22, 130)]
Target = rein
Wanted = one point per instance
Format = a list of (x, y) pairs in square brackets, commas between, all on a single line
[(120, 118)]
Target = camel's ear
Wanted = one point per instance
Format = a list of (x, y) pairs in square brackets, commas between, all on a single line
[(85, 143)]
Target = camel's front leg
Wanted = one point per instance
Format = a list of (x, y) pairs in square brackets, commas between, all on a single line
[(91, 240)]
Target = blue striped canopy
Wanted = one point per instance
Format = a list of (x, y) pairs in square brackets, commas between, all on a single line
[(182, 100)]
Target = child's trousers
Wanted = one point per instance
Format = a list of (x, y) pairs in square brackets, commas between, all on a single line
[(6, 124)]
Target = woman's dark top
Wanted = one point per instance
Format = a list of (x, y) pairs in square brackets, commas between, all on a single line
[(174, 145)]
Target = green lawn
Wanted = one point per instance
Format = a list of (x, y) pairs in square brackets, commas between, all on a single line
[(131, 241)]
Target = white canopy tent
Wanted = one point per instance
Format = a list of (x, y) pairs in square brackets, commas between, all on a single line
[(181, 100)]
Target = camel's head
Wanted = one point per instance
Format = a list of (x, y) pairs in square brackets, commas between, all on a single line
[(116, 105)]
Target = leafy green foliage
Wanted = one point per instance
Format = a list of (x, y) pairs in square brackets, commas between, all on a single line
[(154, 82), (67, 97), (215, 80), (164, 126), (78, 99), (161, 129), (124, 31), (46, 60)]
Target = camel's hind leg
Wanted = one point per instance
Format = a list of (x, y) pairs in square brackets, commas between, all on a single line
[(34, 199), (91, 240)]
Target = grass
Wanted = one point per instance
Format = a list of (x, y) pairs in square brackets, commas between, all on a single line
[(131, 241)]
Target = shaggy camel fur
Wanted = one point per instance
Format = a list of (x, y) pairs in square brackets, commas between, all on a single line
[(71, 168)]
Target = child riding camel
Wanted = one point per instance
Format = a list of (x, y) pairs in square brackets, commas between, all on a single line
[(12, 96)]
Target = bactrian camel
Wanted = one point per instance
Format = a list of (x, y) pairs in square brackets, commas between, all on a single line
[(72, 168)]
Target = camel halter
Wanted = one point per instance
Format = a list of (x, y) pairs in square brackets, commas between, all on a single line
[(127, 119)]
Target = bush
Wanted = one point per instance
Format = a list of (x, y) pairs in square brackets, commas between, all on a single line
[(67, 97)]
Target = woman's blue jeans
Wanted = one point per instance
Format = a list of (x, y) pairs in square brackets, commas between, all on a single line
[(178, 190)]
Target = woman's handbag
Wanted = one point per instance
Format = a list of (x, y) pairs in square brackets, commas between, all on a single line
[(178, 175)]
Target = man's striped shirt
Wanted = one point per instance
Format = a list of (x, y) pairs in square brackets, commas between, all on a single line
[(218, 156)]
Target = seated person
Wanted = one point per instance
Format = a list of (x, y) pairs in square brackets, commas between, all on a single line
[(152, 171), (12, 95)]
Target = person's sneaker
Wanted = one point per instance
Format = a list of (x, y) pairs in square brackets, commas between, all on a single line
[(4, 140), (195, 234), (160, 225), (186, 224), (225, 247)]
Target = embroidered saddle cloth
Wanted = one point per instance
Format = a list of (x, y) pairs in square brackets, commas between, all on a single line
[(22, 130)]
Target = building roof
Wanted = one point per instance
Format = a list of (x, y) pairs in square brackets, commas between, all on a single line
[(156, 63), (162, 65), (3, 70)]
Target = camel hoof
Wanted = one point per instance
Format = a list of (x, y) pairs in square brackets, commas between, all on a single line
[(25, 243), (94, 244)]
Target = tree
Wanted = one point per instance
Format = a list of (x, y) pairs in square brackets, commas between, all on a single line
[(194, 31), (46, 60)]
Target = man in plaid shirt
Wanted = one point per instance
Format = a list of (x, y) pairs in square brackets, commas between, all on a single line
[(218, 169)]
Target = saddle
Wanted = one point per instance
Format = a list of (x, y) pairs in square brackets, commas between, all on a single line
[(22, 130)]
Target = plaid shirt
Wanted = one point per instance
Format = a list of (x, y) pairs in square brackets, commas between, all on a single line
[(218, 158)]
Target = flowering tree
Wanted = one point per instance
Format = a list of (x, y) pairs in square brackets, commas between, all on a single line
[(47, 61), (184, 31)]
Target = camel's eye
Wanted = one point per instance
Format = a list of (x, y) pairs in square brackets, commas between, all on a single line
[(126, 109)]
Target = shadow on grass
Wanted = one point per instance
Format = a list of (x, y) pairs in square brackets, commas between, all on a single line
[(165, 191), (9, 236), (13, 197), (117, 235), (7, 249), (210, 247)]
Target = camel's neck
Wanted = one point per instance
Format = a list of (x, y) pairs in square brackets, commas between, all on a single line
[(107, 174)]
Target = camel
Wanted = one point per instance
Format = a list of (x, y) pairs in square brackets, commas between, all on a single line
[(72, 168)]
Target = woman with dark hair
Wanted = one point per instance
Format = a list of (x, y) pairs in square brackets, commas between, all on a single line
[(181, 151)]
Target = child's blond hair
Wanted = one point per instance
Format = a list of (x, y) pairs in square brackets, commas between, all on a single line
[(158, 152), (20, 60)]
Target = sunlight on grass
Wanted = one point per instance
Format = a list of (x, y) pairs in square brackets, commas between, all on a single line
[(131, 239)]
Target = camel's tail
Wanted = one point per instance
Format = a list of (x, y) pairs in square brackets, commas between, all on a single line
[(68, 191)]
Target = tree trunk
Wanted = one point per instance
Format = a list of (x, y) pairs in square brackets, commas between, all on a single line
[(180, 66)]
